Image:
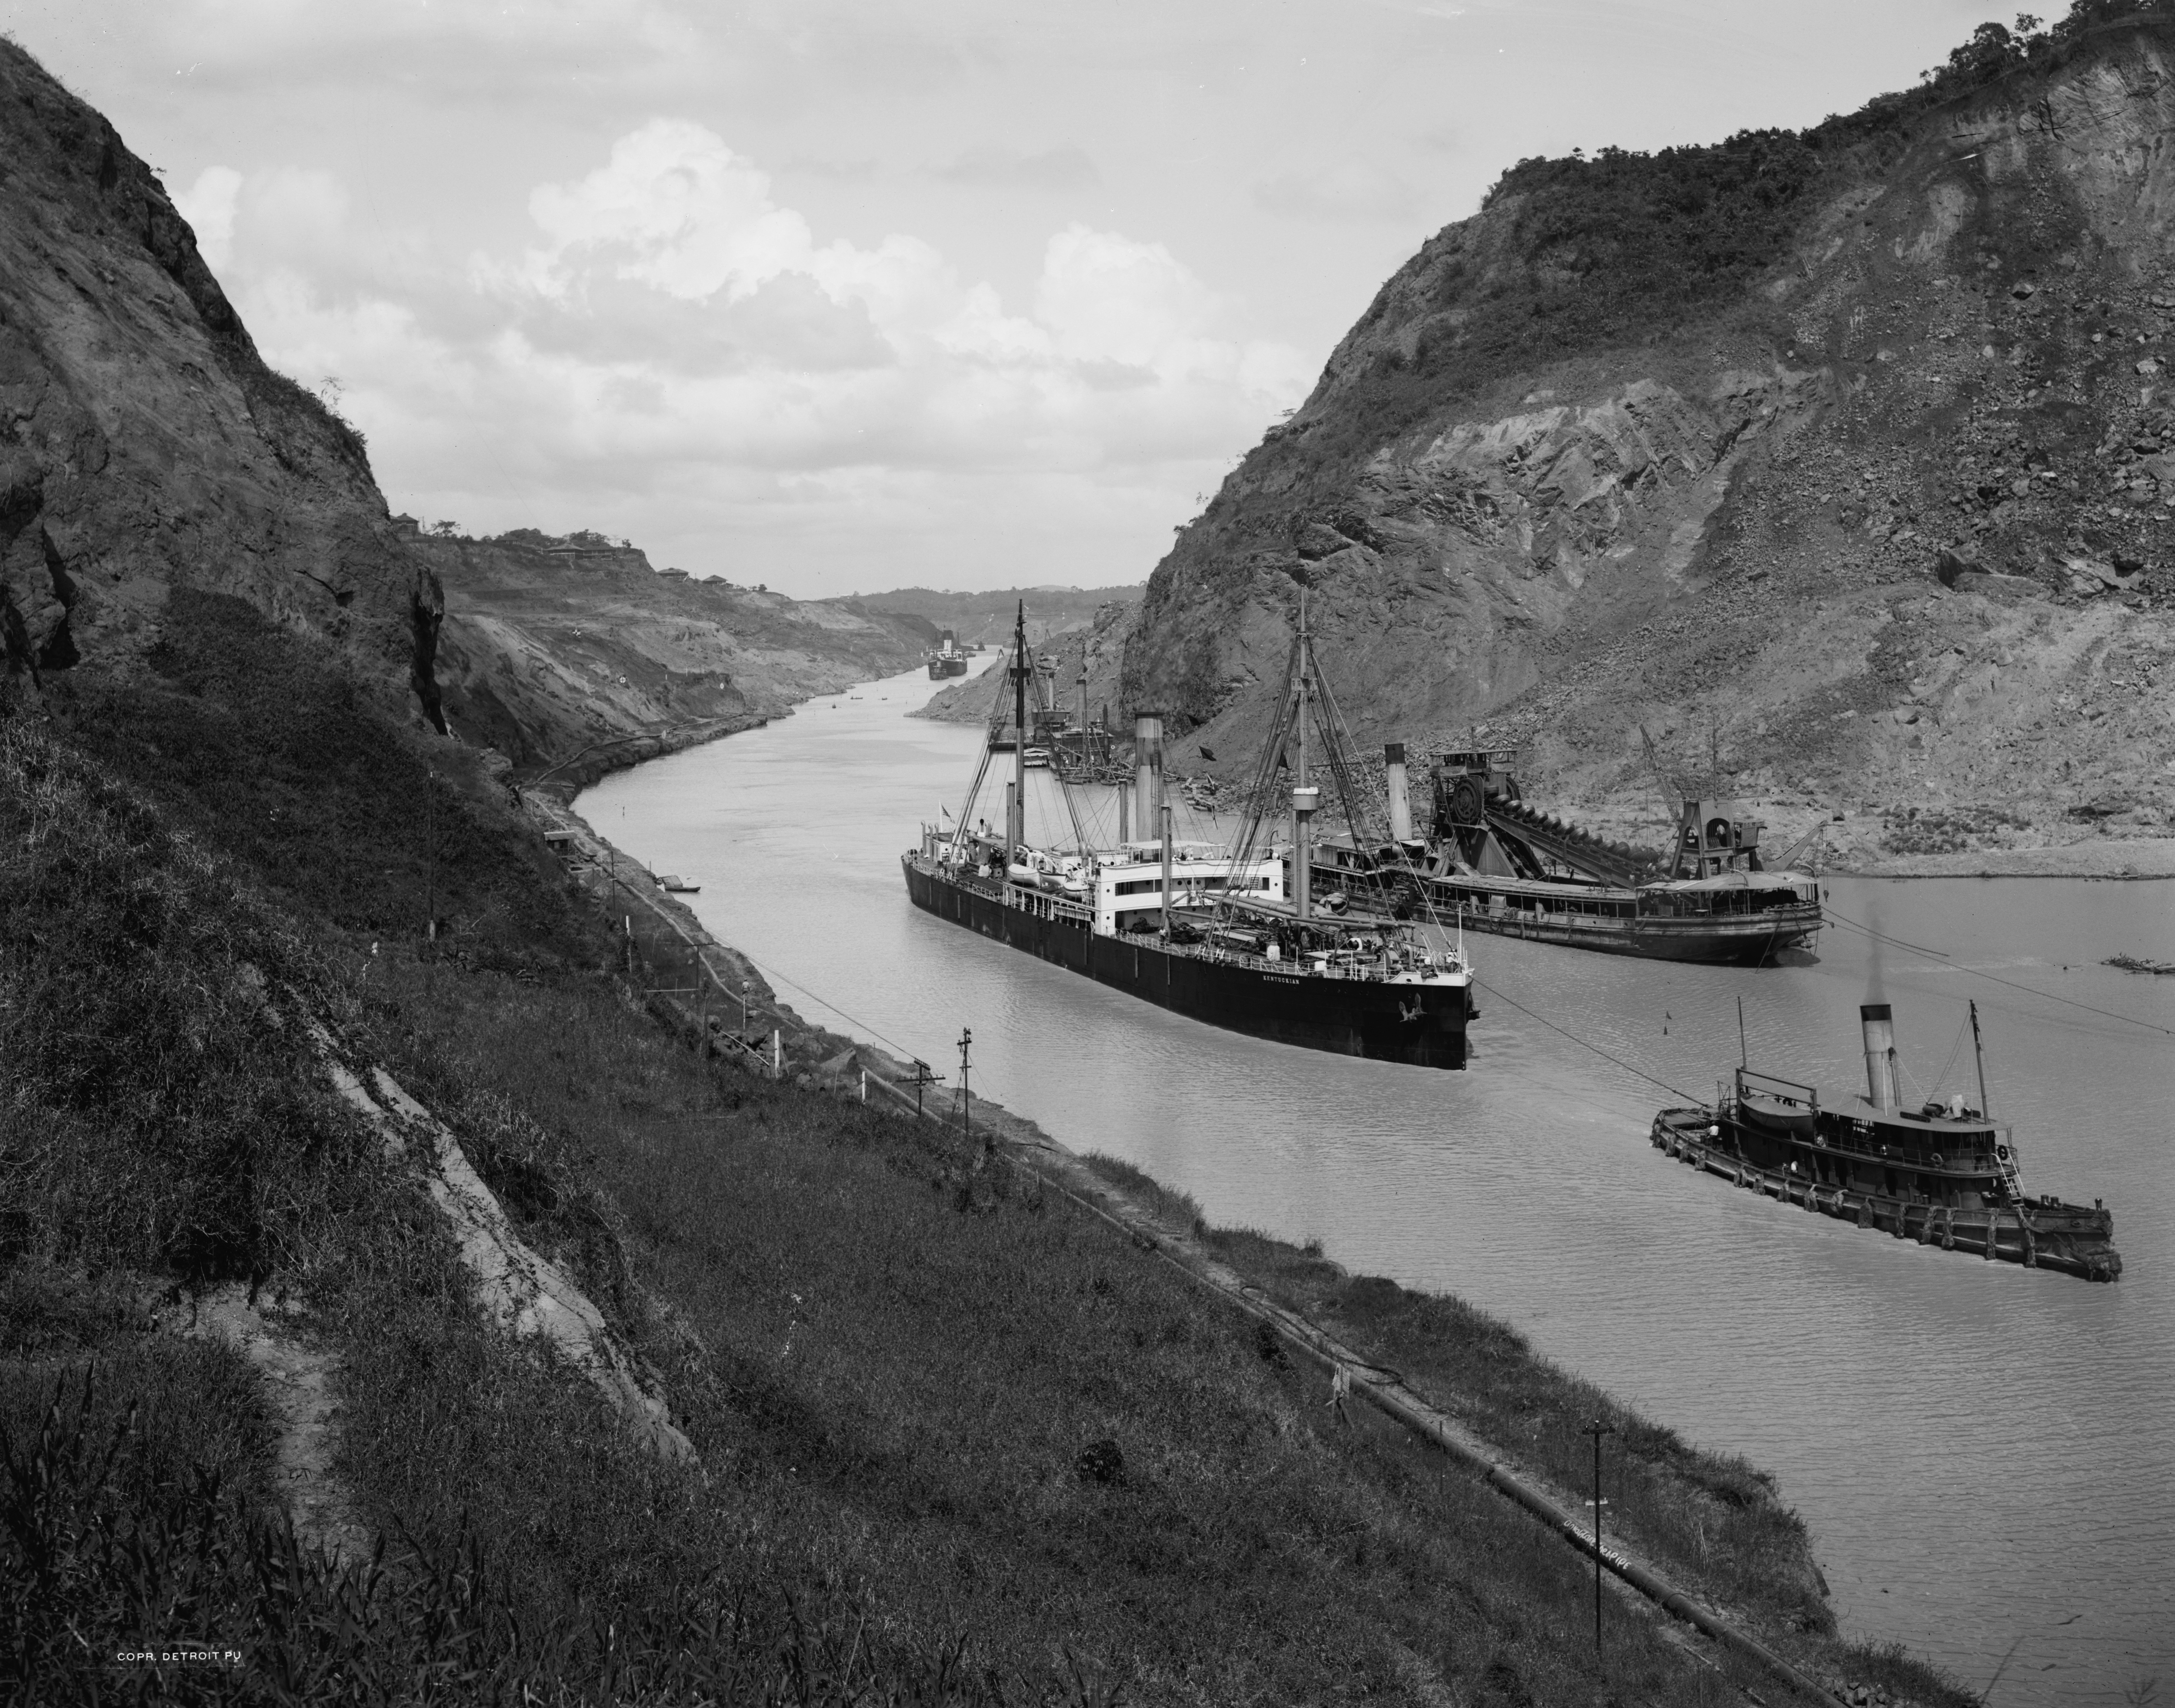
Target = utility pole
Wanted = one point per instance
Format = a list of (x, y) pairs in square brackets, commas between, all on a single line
[(431, 854), (922, 1076), (1596, 1429), (966, 1089)]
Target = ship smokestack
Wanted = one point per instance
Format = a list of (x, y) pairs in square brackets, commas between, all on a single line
[(1401, 805), (1147, 770), (1873, 1019)]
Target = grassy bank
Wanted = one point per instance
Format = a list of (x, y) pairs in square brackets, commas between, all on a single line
[(958, 1441)]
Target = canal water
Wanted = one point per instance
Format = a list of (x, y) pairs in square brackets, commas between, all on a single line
[(1986, 1455)]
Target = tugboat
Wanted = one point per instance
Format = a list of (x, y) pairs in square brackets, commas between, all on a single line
[(1211, 932), (946, 658), (1520, 873), (1942, 1174)]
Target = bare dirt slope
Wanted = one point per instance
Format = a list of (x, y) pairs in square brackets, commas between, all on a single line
[(545, 652), (1854, 448)]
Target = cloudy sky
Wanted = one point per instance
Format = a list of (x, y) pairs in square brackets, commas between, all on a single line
[(846, 297)]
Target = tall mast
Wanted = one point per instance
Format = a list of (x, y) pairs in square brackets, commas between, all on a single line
[(1979, 1057), (1303, 794), (1015, 831)]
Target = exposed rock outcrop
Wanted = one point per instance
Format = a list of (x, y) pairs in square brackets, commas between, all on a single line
[(1929, 438), (143, 442), (523, 1293)]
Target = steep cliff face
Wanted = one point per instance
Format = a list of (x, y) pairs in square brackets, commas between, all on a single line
[(1880, 495), (144, 445), (546, 653)]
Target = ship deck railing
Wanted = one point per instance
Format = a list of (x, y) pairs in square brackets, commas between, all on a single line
[(1299, 966), (1789, 1090), (1546, 897), (1928, 1163), (1042, 902)]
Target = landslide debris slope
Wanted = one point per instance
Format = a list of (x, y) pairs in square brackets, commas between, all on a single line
[(553, 646), (1849, 453), (145, 444)]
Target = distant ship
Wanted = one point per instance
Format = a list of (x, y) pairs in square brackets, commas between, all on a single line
[(1520, 873), (1202, 930), (1942, 1174), (947, 658)]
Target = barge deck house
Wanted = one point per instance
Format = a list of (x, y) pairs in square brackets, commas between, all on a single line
[(1942, 1174), (1203, 930), (1511, 869)]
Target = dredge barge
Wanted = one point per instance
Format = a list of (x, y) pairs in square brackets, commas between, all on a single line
[(1520, 873), (1942, 1174), (1214, 933)]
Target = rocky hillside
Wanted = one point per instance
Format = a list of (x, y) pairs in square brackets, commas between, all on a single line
[(549, 648), (1849, 454), (144, 445), (986, 618)]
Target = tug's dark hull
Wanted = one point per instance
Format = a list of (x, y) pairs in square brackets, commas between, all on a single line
[(1420, 1025), (2047, 1235)]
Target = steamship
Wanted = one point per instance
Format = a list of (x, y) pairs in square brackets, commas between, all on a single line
[(1521, 873), (1942, 1174), (1208, 931), (947, 658)]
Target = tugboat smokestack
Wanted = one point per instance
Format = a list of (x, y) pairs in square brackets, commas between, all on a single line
[(1401, 805), (1873, 1019), (1147, 770)]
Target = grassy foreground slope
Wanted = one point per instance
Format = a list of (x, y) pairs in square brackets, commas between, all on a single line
[(891, 1395), (957, 1441)]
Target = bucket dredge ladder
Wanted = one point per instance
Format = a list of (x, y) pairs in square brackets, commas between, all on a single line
[(1477, 805), (1566, 845)]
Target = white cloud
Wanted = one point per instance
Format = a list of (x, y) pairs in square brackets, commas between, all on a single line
[(679, 355), (209, 206), (675, 208), (1106, 298)]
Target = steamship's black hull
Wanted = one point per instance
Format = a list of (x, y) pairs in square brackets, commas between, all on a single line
[(1421, 1025), (939, 669)]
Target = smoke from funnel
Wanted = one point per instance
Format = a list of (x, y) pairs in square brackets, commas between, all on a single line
[(1876, 974)]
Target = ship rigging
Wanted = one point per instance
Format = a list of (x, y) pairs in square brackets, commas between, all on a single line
[(1226, 935)]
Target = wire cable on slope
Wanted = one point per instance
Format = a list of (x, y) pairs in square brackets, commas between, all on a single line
[(1640, 1073), (777, 977)]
